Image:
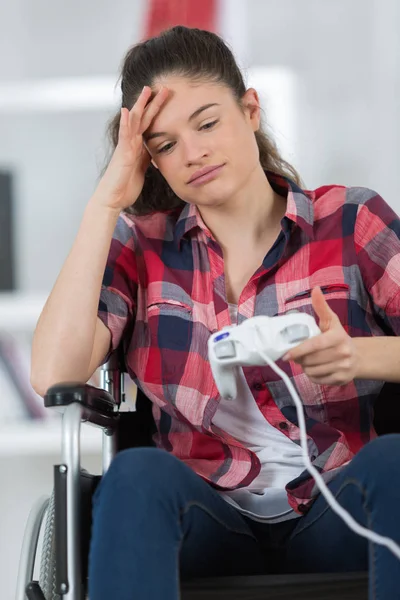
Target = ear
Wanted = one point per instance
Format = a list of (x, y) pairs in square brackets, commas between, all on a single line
[(251, 107)]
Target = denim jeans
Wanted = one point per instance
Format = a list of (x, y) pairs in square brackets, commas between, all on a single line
[(155, 522)]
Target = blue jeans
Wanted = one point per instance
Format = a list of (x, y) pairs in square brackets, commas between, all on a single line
[(155, 522)]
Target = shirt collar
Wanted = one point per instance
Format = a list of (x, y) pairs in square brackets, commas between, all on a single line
[(299, 209)]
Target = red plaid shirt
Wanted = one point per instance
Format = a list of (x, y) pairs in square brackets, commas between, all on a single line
[(164, 294)]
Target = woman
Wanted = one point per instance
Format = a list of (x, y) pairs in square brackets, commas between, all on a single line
[(197, 223)]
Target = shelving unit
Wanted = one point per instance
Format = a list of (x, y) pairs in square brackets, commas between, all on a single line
[(19, 313)]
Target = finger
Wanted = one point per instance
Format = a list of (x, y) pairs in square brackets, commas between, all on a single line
[(334, 378), (325, 370), (328, 380), (153, 108), (318, 343), (123, 130), (320, 358), (145, 158), (137, 110)]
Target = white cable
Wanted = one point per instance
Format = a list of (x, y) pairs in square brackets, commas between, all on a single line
[(325, 491)]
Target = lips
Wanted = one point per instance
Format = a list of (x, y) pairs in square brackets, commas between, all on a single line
[(202, 172)]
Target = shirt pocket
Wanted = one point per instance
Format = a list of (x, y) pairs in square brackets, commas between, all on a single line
[(337, 296), (170, 324), (169, 334)]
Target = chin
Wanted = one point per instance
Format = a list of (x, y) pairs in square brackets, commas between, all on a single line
[(209, 202), (213, 197)]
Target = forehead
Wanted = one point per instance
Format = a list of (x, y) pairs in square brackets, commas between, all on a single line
[(186, 96), (179, 85)]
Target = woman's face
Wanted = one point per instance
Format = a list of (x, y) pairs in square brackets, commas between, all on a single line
[(201, 126)]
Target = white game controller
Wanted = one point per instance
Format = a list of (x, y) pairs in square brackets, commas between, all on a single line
[(236, 346)]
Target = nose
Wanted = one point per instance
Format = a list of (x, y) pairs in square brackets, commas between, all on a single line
[(194, 151)]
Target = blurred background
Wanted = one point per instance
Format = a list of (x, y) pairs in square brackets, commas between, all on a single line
[(328, 74)]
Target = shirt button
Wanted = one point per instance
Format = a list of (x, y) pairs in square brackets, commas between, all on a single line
[(283, 425), (258, 386)]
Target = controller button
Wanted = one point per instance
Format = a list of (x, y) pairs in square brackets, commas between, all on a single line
[(222, 336), (225, 350), (295, 333)]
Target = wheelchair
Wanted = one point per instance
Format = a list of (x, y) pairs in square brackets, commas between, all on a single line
[(65, 517)]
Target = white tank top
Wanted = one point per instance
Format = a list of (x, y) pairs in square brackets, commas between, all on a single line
[(265, 499)]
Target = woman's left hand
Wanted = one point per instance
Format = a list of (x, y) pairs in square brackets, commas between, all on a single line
[(330, 358)]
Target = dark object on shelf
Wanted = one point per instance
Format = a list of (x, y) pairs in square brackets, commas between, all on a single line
[(7, 258)]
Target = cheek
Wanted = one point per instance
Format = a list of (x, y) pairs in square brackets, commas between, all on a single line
[(170, 168), (167, 165), (240, 140), (244, 155)]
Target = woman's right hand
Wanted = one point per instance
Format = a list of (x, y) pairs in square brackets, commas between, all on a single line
[(123, 179)]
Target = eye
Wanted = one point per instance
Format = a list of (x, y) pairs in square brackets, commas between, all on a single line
[(169, 146), (165, 148), (209, 125)]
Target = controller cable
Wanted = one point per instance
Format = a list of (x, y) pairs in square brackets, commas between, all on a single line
[(325, 491)]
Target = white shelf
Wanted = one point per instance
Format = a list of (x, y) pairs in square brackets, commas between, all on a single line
[(38, 438), (60, 94), (20, 311)]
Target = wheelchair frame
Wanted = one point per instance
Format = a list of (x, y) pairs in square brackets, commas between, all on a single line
[(100, 407), (67, 491)]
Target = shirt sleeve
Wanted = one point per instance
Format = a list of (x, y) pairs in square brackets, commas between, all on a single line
[(377, 241), (117, 303)]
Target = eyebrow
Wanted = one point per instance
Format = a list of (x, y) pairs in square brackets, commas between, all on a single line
[(196, 113)]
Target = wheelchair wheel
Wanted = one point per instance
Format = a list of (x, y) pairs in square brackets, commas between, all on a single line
[(30, 546), (47, 577)]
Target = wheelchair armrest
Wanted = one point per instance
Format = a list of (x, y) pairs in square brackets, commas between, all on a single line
[(101, 406)]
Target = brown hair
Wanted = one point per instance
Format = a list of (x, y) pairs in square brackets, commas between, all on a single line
[(199, 55)]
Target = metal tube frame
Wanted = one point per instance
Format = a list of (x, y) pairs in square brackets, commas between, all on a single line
[(71, 460), (112, 381)]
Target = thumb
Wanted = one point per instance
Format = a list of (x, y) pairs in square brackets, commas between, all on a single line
[(327, 318)]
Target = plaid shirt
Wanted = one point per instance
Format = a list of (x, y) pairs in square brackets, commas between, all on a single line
[(164, 293)]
